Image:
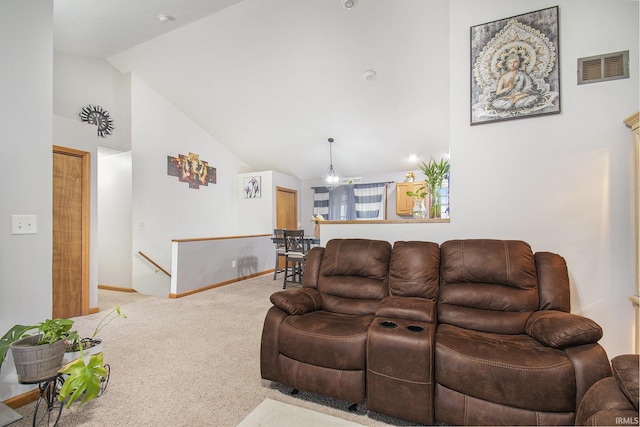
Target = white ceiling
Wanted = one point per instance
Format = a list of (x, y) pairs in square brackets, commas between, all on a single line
[(272, 80)]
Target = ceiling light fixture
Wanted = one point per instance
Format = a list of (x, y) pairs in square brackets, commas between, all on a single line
[(165, 18), (369, 75), (331, 177), (349, 4)]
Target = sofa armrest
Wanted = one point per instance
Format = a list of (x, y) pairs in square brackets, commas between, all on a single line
[(408, 308), (625, 371), (558, 329), (297, 301)]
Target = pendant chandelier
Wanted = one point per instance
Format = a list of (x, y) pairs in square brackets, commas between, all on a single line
[(331, 178)]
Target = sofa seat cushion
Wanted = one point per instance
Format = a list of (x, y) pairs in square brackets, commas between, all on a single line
[(322, 338), (512, 370)]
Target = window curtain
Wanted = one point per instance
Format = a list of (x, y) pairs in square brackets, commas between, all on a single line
[(351, 202), (371, 200), (321, 202)]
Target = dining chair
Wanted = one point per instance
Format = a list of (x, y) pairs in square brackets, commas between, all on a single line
[(278, 234), (295, 256)]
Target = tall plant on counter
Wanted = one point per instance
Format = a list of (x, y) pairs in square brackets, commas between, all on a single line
[(435, 173)]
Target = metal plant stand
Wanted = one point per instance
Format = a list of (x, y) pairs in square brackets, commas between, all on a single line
[(48, 407)]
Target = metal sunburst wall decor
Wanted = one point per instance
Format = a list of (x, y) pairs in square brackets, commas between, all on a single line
[(96, 115)]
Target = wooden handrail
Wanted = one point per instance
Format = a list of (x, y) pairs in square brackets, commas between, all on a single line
[(201, 239), (154, 263)]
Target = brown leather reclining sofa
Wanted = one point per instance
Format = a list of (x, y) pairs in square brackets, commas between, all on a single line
[(469, 332)]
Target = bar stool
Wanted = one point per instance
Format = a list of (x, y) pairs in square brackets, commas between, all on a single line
[(278, 234), (295, 256)]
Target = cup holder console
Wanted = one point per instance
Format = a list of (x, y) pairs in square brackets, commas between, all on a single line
[(389, 325), (395, 387), (392, 325)]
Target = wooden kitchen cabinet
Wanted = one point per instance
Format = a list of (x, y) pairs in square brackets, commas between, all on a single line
[(404, 203)]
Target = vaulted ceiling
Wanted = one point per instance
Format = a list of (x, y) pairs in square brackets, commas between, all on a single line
[(272, 80)]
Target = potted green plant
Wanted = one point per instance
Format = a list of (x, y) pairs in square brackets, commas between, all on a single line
[(418, 206), (85, 371), (37, 356), (435, 173), (90, 345)]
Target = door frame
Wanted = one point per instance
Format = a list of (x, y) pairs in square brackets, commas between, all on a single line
[(86, 197)]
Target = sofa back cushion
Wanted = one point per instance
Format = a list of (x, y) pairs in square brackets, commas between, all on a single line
[(415, 270), (354, 275), (487, 285)]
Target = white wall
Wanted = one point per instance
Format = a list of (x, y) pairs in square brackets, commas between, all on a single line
[(80, 81), (560, 182), (26, 43), (254, 213), (114, 218), (163, 207), (199, 264), (258, 216)]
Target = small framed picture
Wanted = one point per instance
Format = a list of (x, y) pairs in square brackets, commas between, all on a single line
[(515, 67), (251, 187)]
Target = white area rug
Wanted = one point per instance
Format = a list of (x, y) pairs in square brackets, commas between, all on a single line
[(271, 413)]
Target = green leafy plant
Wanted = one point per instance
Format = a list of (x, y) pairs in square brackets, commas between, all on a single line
[(113, 314), (54, 330), (50, 331), (76, 343), (83, 379), (420, 193), (435, 173), (14, 334)]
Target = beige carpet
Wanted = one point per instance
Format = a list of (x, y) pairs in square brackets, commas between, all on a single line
[(192, 361)]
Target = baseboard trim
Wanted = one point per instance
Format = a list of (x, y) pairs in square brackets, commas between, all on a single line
[(217, 285), (116, 288), (23, 399)]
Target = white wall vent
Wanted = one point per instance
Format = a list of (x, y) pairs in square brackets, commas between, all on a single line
[(601, 68)]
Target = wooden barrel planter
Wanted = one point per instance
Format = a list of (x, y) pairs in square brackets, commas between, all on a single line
[(36, 363)]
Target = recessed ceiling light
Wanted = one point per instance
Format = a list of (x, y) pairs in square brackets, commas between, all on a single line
[(369, 75), (349, 4), (165, 18)]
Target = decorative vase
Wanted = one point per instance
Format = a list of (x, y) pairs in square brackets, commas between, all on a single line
[(418, 208), (36, 363), (435, 203), (316, 230)]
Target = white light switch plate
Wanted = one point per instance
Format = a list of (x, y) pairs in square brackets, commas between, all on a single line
[(24, 224)]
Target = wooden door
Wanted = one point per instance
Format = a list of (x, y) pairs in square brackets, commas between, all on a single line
[(70, 269), (286, 208), (286, 212)]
